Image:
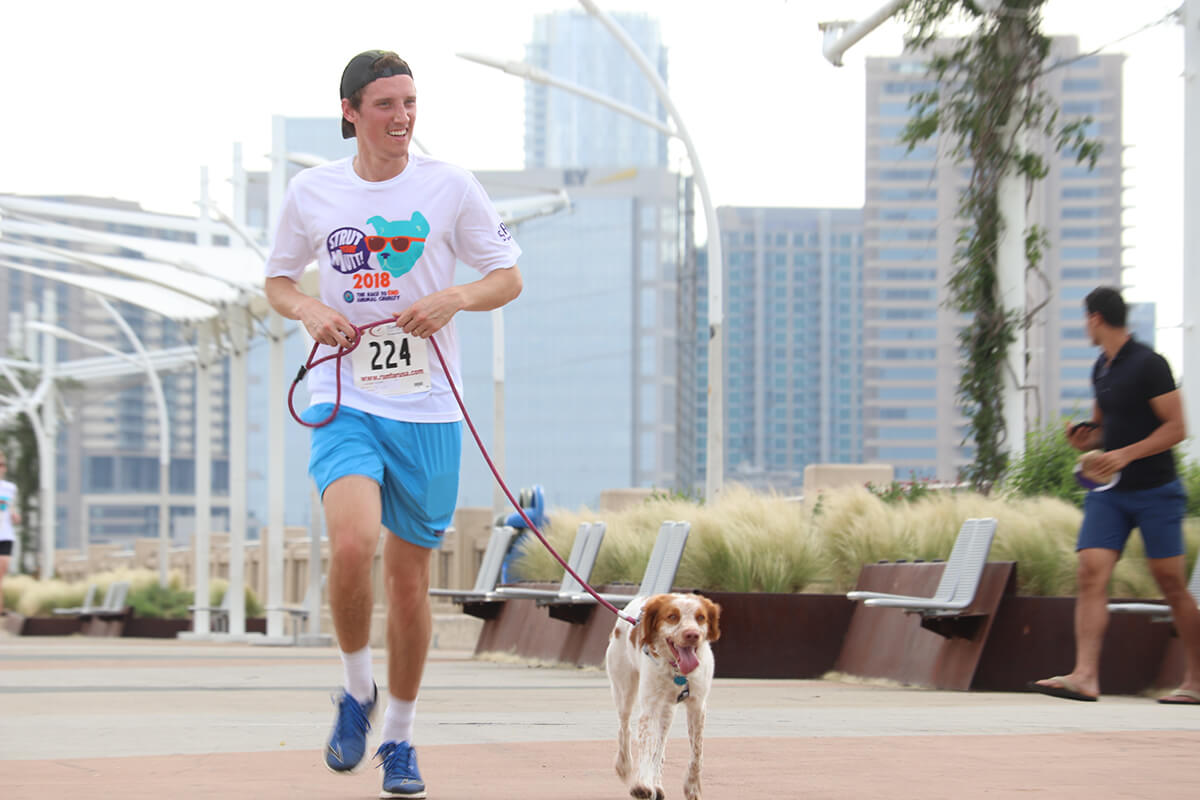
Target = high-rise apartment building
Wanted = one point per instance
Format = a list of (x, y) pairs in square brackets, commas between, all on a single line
[(793, 322), (911, 357), (566, 130)]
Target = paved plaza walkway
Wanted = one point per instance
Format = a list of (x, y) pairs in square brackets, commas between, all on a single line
[(126, 719)]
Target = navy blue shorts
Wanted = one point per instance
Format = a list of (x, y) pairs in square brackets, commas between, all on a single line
[(415, 464), (1109, 517)]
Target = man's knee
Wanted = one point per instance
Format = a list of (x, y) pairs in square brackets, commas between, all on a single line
[(349, 546), (1095, 568), (408, 586), (1168, 574)]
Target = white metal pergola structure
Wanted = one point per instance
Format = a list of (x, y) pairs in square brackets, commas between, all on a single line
[(714, 467), (214, 292)]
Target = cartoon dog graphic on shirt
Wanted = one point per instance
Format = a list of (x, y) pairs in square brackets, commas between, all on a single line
[(397, 245)]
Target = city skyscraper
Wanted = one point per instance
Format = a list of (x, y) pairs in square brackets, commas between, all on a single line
[(911, 359), (565, 130), (793, 289)]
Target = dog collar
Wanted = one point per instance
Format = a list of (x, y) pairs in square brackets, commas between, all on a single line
[(681, 680)]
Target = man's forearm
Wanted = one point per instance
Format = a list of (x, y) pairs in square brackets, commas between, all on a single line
[(1163, 438), (285, 297), (499, 287)]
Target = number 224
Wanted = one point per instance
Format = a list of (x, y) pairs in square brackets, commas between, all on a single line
[(390, 359)]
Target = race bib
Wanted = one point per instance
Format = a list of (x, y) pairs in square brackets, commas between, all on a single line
[(389, 362)]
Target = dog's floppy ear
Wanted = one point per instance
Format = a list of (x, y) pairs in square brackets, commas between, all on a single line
[(712, 613), (649, 623)]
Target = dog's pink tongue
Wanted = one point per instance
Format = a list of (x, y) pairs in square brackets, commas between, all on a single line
[(687, 659)]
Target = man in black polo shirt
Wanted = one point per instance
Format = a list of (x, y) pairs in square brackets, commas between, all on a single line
[(1136, 419)]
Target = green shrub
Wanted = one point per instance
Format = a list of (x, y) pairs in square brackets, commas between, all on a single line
[(1046, 468), (216, 593), (901, 491), (161, 602), (33, 598), (1190, 475)]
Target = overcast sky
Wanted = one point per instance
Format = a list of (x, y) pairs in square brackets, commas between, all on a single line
[(129, 99)]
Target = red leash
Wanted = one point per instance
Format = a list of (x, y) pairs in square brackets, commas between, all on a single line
[(309, 364)]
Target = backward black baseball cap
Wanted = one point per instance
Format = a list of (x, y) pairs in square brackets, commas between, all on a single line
[(361, 70)]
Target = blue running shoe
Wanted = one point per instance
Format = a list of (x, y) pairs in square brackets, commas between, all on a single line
[(348, 742), (401, 778)]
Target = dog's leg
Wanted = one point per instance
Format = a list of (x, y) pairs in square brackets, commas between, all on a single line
[(651, 744), (625, 698), (623, 679), (695, 718)]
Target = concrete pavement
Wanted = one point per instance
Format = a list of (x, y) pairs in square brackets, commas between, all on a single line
[(124, 718)]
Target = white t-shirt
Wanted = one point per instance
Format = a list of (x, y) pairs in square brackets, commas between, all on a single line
[(380, 247), (8, 501)]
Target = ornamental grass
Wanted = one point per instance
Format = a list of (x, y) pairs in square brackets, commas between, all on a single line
[(751, 541)]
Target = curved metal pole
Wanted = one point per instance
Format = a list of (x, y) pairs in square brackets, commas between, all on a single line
[(63, 333), (164, 439), (836, 46), (529, 72), (47, 449), (715, 456)]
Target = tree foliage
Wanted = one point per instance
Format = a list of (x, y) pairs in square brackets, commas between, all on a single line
[(988, 103), (20, 445)]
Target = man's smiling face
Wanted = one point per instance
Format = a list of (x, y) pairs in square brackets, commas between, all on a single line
[(384, 120)]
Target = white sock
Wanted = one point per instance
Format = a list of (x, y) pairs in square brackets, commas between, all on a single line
[(398, 720), (359, 683)]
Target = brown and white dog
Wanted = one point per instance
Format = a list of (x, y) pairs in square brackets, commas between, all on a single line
[(664, 661)]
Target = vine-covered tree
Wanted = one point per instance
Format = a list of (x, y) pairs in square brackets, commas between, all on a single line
[(987, 99), (19, 444)]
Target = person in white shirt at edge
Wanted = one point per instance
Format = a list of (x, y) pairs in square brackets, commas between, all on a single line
[(386, 227), (8, 517)]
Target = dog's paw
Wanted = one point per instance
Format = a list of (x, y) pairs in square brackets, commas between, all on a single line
[(691, 791), (642, 792)]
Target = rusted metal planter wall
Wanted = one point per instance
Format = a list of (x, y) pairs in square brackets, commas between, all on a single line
[(1034, 637), (779, 635)]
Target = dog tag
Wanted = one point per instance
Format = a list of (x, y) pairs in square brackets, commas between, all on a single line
[(682, 681), (389, 362)]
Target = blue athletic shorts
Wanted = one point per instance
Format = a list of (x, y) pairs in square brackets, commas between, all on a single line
[(1109, 517), (415, 464)]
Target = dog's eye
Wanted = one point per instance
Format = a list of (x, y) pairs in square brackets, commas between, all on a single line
[(700, 618), (672, 618)]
